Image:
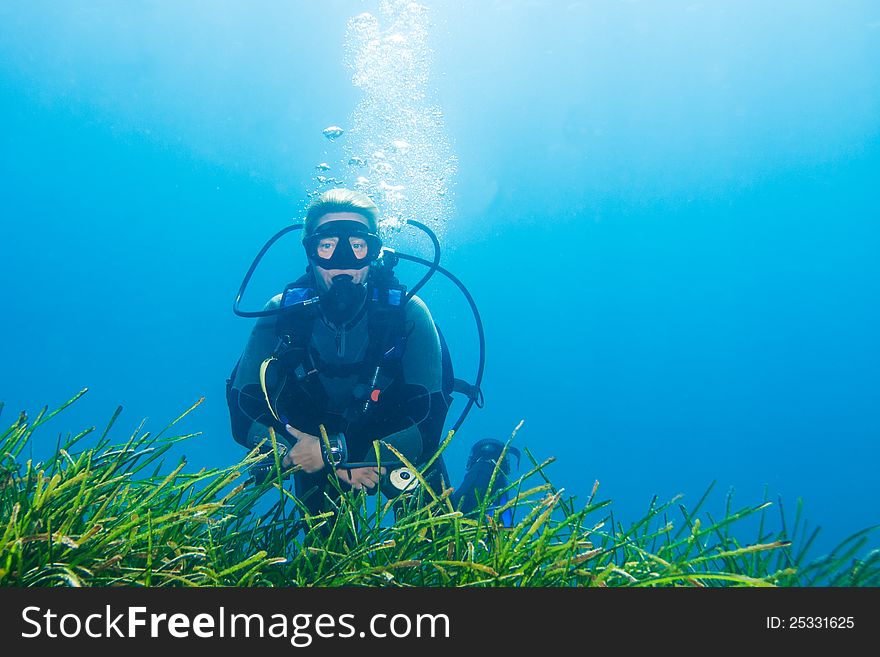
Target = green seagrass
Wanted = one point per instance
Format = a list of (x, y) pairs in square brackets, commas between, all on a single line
[(102, 512)]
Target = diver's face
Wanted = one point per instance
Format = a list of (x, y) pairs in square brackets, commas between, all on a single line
[(325, 276)]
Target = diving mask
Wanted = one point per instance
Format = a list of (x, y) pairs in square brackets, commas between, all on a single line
[(342, 245)]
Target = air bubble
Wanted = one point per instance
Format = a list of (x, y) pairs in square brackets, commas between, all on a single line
[(396, 134), (384, 186)]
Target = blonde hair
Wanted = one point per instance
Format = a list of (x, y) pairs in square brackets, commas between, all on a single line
[(341, 200)]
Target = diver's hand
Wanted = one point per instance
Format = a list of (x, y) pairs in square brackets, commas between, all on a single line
[(359, 478), (306, 451)]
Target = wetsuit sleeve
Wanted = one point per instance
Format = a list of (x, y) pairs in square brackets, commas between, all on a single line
[(248, 412), (423, 406)]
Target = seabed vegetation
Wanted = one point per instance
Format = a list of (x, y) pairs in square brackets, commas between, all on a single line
[(115, 514)]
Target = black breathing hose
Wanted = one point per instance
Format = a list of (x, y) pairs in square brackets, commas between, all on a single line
[(250, 272)]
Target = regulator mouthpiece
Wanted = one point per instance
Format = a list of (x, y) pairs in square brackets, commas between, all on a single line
[(343, 299)]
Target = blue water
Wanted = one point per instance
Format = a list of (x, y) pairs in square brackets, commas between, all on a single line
[(667, 213)]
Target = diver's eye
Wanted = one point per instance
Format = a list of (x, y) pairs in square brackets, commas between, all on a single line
[(326, 247), (359, 246)]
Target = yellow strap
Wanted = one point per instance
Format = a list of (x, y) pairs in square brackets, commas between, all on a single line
[(263, 368)]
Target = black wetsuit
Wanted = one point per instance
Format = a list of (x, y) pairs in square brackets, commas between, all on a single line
[(409, 413)]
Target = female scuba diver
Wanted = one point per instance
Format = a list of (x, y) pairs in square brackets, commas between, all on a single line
[(345, 356)]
